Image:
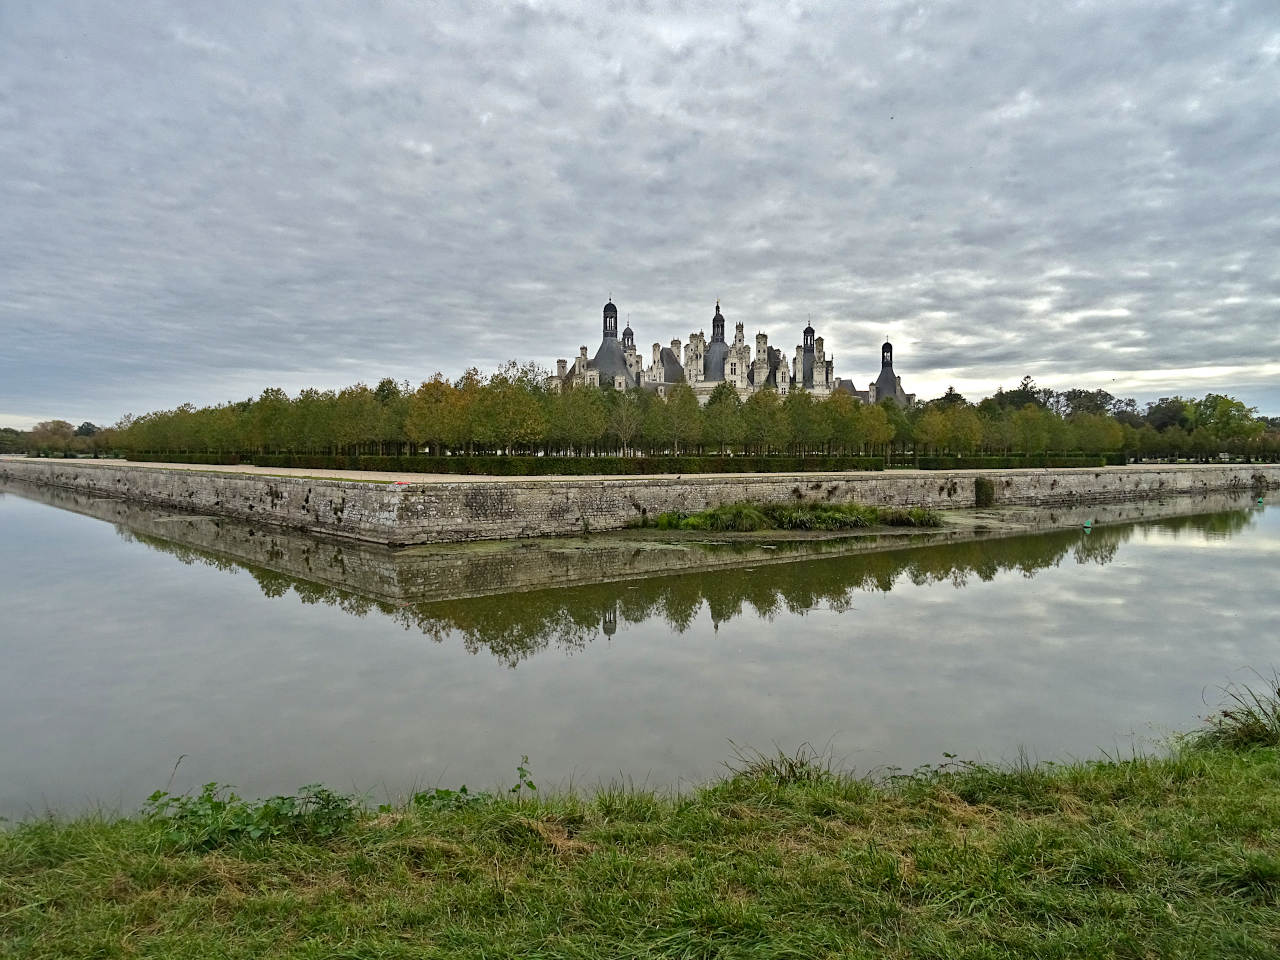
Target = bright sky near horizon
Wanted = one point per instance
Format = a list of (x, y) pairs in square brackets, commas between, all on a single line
[(202, 200)]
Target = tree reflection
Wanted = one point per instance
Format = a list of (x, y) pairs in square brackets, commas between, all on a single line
[(514, 626)]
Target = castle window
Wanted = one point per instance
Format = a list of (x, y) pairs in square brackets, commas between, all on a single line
[(733, 368)]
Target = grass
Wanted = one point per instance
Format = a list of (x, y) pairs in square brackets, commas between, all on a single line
[(1248, 717), (751, 517), (1169, 856)]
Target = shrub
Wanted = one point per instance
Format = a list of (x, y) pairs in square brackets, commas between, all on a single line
[(984, 492)]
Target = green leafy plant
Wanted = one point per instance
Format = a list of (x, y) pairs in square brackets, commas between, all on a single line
[(216, 816), (444, 799), (525, 781)]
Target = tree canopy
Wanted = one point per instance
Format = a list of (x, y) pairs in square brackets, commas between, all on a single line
[(514, 410)]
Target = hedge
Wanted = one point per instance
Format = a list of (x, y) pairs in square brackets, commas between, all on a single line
[(204, 458), (531, 466), (1013, 462), (485, 465)]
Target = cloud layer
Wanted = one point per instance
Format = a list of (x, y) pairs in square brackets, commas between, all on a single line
[(199, 203)]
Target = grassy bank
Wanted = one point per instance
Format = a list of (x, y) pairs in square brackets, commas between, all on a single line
[(1176, 856), (750, 517)]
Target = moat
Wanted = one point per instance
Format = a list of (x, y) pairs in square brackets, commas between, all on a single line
[(268, 660)]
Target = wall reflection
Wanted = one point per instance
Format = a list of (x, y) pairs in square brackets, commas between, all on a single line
[(512, 626)]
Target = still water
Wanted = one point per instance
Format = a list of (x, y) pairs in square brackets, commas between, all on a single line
[(129, 645)]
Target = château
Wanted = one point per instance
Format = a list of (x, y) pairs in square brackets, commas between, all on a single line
[(704, 364)]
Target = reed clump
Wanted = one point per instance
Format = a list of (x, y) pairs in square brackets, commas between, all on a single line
[(1249, 716)]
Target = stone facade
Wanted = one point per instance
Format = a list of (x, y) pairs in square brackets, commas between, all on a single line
[(442, 511)]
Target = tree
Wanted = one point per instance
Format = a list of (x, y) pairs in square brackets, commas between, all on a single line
[(722, 420), (357, 417), (393, 408), (840, 413), (898, 421), (1095, 432), (952, 398), (313, 421), (270, 430), (964, 429), (932, 430), (510, 410), (684, 417), (466, 410), (1169, 412), (429, 414), (1023, 394), (876, 426), (626, 419), (12, 440), (1077, 402), (997, 428), (804, 427), (763, 428), (87, 429), (1227, 419), (581, 418), (1031, 429), (52, 436)]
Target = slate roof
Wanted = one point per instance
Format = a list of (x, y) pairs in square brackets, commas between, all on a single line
[(672, 368), (610, 361)]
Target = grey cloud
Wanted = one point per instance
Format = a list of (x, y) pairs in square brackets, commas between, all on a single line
[(202, 202)]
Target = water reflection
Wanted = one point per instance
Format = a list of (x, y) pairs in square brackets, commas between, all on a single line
[(272, 659), (569, 618)]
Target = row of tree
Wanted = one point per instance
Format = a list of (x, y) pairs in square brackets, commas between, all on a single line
[(514, 411)]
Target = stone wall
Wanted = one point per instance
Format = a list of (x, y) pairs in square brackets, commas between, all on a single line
[(442, 511)]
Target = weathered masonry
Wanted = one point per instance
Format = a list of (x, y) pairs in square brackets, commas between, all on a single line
[(443, 511)]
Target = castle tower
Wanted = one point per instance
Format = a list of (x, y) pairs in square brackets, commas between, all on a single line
[(888, 384), (610, 321), (804, 376), (717, 325), (716, 352)]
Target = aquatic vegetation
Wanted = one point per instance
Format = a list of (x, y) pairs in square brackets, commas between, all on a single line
[(752, 517)]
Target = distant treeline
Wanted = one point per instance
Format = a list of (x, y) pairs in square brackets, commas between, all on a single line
[(514, 412)]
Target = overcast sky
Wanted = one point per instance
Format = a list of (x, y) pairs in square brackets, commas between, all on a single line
[(201, 200)]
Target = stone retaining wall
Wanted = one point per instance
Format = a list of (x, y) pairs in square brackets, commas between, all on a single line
[(450, 511)]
